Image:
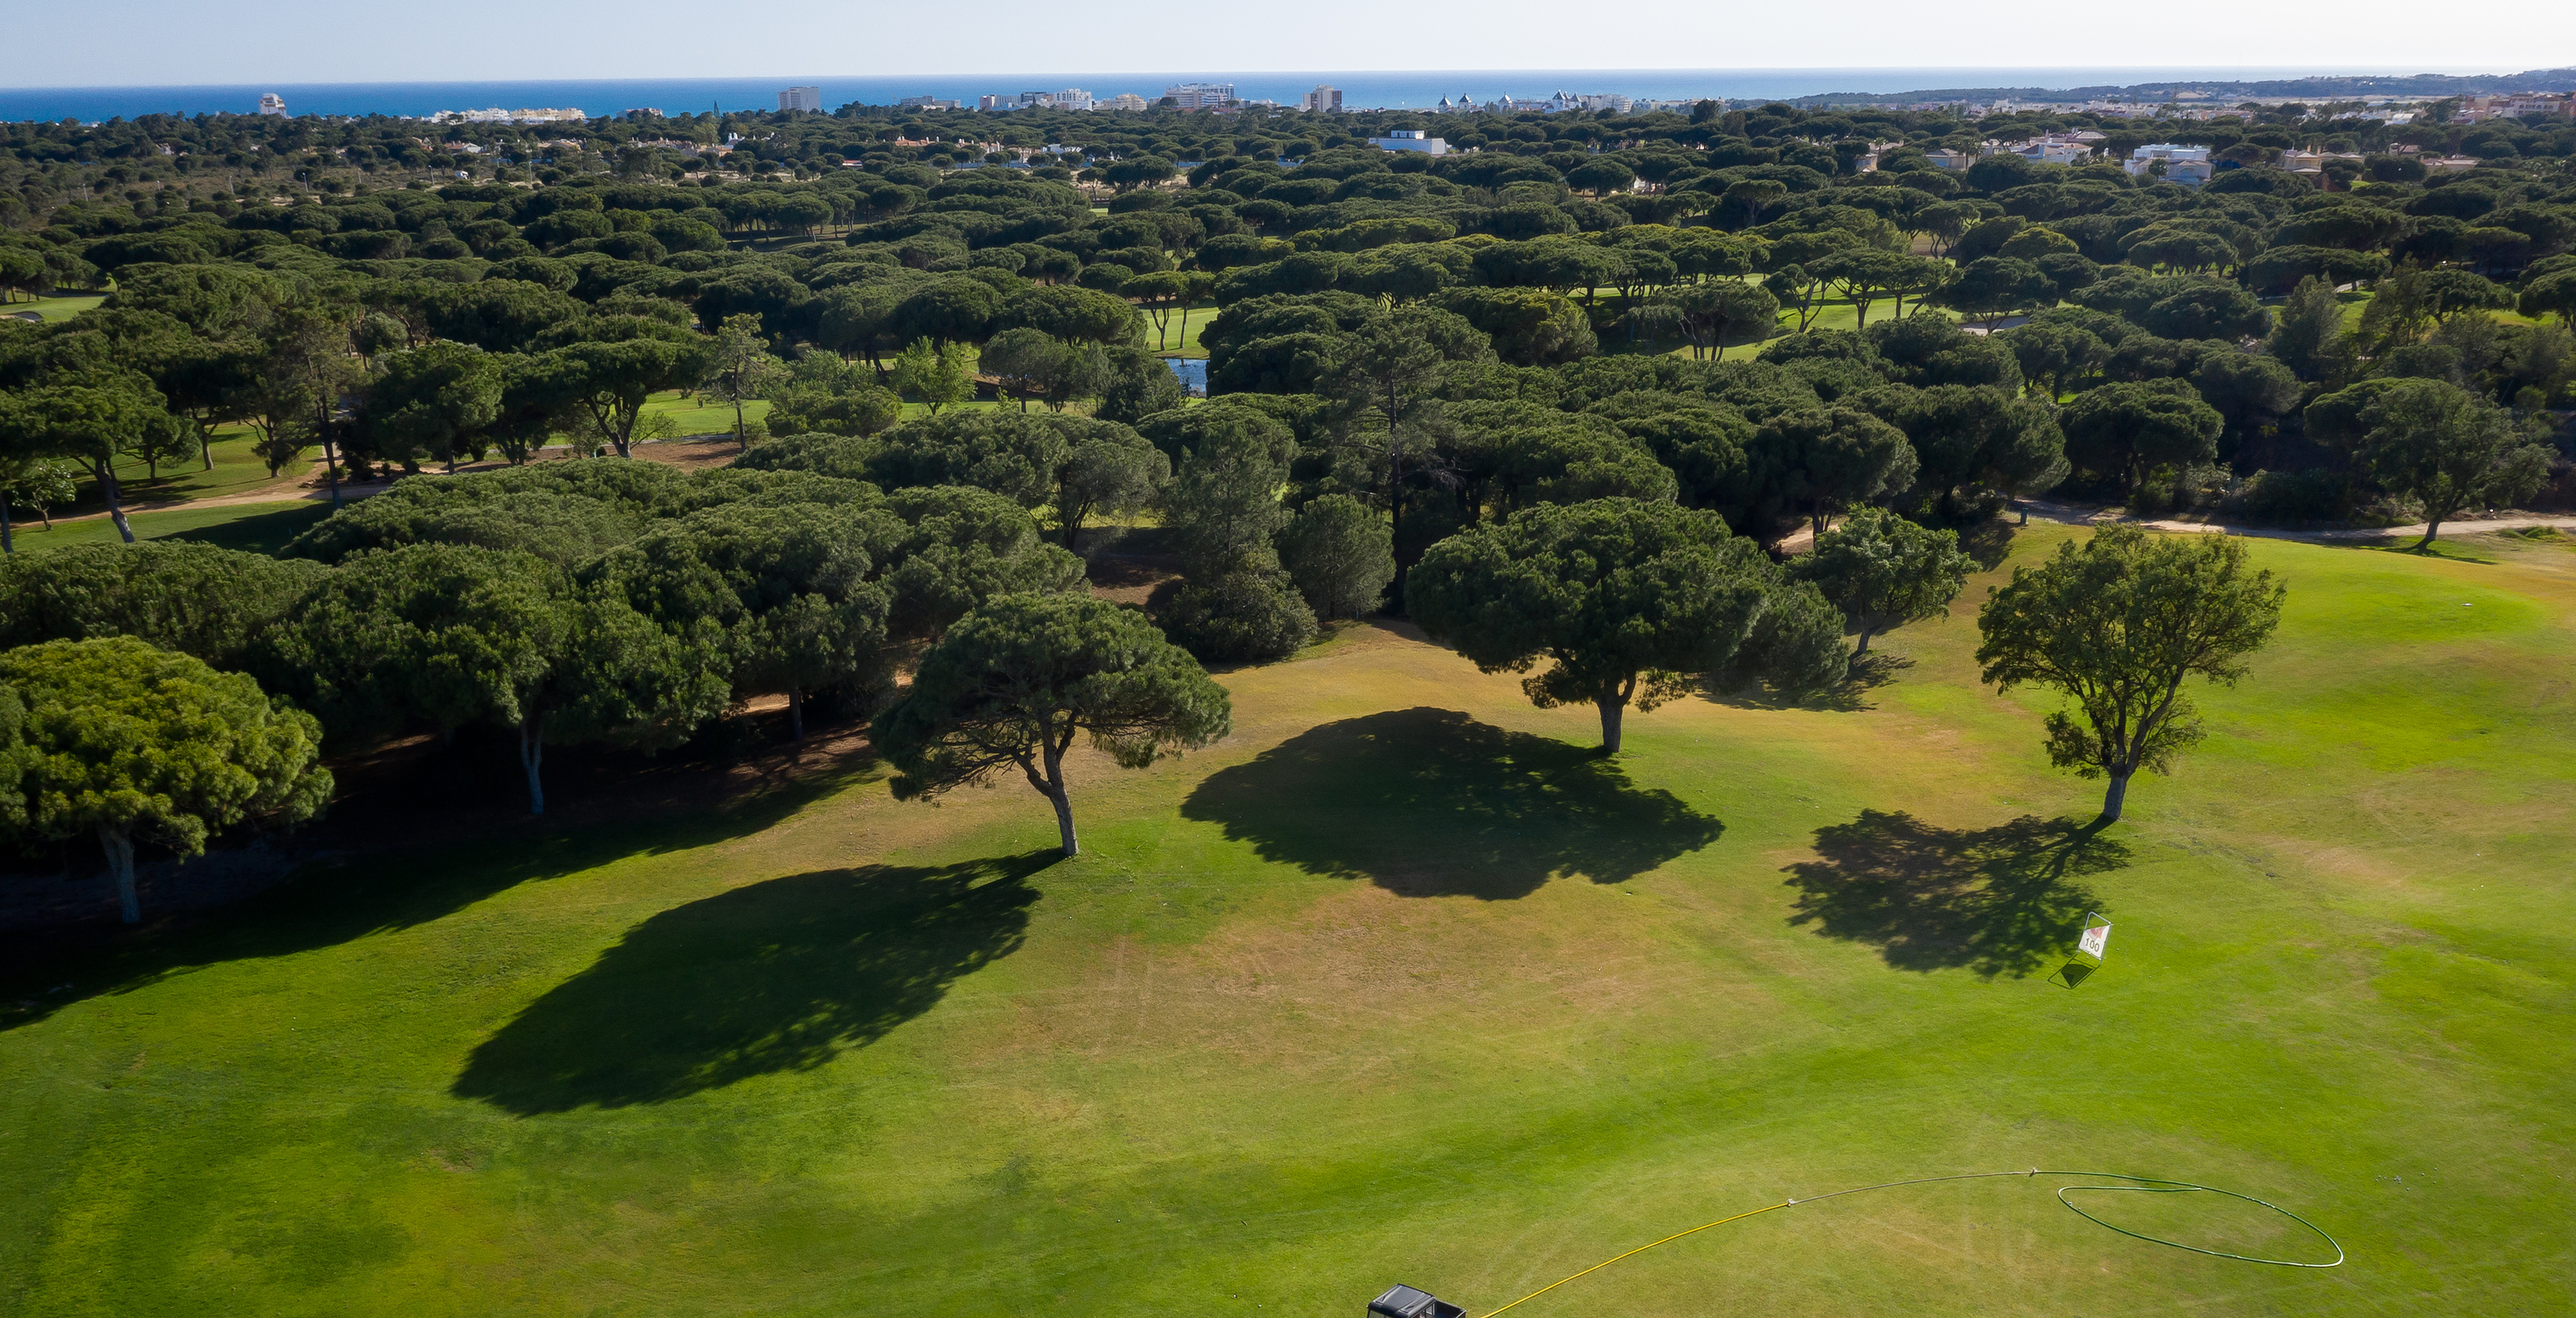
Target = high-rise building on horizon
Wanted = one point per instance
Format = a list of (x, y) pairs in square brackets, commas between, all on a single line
[(272, 103), (1199, 95), (801, 98), (1324, 100)]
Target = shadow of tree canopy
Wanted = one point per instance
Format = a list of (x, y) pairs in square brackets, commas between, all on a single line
[(659, 810), (778, 976), (1430, 803), (1999, 901)]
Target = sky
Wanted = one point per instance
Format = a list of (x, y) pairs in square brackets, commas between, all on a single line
[(161, 42)]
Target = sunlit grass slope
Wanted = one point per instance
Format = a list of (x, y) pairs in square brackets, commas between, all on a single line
[(1402, 983)]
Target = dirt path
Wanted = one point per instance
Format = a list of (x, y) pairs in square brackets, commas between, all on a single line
[(2509, 521), (2071, 515)]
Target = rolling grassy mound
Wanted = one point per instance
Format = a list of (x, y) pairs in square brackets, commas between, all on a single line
[(1402, 983)]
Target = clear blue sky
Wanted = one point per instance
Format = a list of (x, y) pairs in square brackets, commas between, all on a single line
[(133, 42)]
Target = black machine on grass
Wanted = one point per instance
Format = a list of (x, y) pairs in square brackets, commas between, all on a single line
[(1406, 1302)]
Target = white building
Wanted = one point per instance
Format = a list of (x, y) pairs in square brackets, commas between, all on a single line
[(2521, 105), (1323, 100), (272, 103), (924, 103), (801, 98), (497, 115), (1200, 95), (1121, 101), (1411, 139), (2052, 151), (2186, 165)]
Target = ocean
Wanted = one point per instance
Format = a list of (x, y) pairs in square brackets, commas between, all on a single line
[(1359, 90)]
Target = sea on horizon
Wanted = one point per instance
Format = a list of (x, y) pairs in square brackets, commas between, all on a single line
[(1418, 90)]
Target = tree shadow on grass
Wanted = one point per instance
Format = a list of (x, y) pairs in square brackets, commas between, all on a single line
[(1998, 901), (363, 893), (778, 976), (1431, 803)]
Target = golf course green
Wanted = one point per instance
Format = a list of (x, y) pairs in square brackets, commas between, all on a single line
[(1403, 982)]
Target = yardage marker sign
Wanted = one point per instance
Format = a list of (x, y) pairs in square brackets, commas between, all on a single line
[(2095, 938)]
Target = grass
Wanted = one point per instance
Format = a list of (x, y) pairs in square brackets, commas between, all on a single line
[(1180, 340), (54, 308), (261, 527), (689, 416), (1401, 982), (236, 470)]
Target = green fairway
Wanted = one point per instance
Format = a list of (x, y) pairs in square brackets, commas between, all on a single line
[(55, 308), (1402, 982), (264, 527)]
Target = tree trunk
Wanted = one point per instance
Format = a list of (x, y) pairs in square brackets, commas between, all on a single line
[(1863, 647), (532, 757), (2115, 794), (1613, 709), (331, 468), (1395, 503), (120, 863), (106, 472), (796, 713), (1061, 799), (2432, 528)]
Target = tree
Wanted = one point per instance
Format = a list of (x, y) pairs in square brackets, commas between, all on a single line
[(1235, 604), (859, 319), (822, 394), (37, 483), (1385, 389), (306, 369), (1865, 275), (937, 376), (2131, 428), (2451, 450), (452, 635), (1631, 603), (950, 311), (91, 420), (195, 599), (1825, 459), (2250, 394), (1993, 287), (741, 368), (1020, 678), (2309, 330), (1110, 469), (1969, 438), (1798, 290), (2056, 359), (2551, 295), (1341, 555), (1025, 361), (2117, 624), (1883, 571), (1161, 292), (132, 743), (1724, 309), (785, 592), (613, 379), (435, 399)]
